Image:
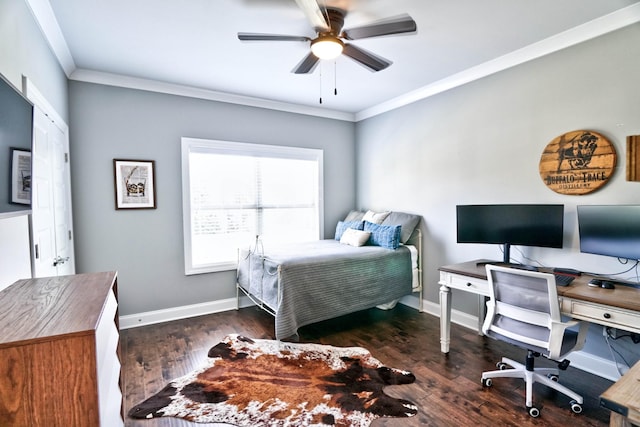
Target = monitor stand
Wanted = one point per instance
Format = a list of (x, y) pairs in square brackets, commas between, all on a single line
[(506, 261)]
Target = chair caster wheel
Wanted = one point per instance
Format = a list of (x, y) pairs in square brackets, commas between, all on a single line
[(501, 365), (534, 412), (487, 382), (575, 407), (553, 377)]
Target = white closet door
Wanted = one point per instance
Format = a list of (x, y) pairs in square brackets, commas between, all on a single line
[(62, 200), (52, 226), (42, 203)]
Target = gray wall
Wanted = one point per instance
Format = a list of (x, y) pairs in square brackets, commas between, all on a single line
[(146, 246), (482, 142)]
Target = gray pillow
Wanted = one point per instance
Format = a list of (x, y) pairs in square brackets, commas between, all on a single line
[(407, 221), (354, 216)]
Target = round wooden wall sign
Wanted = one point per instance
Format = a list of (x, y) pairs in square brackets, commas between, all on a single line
[(577, 162)]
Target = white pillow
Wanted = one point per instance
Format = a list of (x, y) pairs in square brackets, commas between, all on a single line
[(375, 217), (354, 237)]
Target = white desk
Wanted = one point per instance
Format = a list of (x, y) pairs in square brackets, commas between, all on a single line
[(618, 308)]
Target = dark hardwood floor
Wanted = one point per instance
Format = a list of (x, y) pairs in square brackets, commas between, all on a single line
[(447, 390)]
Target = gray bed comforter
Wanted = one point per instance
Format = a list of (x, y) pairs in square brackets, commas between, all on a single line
[(309, 282)]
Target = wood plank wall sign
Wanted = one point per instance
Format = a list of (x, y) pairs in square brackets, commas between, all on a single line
[(633, 158), (577, 162)]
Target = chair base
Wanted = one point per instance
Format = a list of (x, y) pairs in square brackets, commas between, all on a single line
[(537, 375)]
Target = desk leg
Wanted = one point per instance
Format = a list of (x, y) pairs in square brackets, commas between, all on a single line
[(445, 318)]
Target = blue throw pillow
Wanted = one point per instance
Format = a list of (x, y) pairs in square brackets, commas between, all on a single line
[(387, 236), (343, 225)]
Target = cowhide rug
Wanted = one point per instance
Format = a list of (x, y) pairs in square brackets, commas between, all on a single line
[(272, 383)]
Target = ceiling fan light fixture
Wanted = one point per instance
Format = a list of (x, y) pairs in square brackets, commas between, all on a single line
[(327, 47)]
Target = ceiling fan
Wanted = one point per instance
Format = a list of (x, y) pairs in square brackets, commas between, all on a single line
[(330, 40)]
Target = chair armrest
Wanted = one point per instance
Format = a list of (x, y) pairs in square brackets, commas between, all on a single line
[(556, 336), (582, 335)]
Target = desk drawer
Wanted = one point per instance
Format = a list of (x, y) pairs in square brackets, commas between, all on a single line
[(603, 315), (464, 283)]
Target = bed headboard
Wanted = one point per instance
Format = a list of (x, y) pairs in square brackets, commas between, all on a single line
[(415, 239)]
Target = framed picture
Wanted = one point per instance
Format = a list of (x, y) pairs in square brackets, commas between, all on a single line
[(135, 184), (20, 176)]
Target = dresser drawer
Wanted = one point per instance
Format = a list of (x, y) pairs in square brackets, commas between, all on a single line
[(108, 365), (106, 331), (609, 316), (464, 283), (110, 395)]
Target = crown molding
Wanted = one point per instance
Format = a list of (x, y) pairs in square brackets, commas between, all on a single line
[(118, 80), (46, 20), (589, 30)]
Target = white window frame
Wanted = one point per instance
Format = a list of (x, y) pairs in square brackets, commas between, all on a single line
[(240, 148)]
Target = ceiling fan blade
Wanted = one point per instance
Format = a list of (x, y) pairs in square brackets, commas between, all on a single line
[(271, 37), (314, 14), (368, 59), (394, 25), (307, 64)]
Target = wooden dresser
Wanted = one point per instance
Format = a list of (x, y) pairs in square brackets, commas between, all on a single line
[(59, 352)]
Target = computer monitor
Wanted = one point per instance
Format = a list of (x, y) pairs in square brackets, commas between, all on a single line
[(610, 230), (539, 225)]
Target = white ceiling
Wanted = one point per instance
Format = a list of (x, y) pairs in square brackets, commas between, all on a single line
[(192, 45)]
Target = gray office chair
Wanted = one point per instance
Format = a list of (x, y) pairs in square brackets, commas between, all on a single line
[(523, 309)]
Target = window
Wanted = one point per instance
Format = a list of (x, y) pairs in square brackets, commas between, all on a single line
[(233, 192)]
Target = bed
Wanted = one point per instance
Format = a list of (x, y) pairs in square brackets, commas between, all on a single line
[(373, 261)]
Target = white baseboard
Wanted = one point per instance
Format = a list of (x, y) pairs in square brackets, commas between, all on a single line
[(595, 365), (412, 301), (579, 359), (458, 317), (186, 311), (183, 312)]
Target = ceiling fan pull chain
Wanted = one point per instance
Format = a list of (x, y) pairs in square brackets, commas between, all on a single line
[(320, 82), (335, 78)]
